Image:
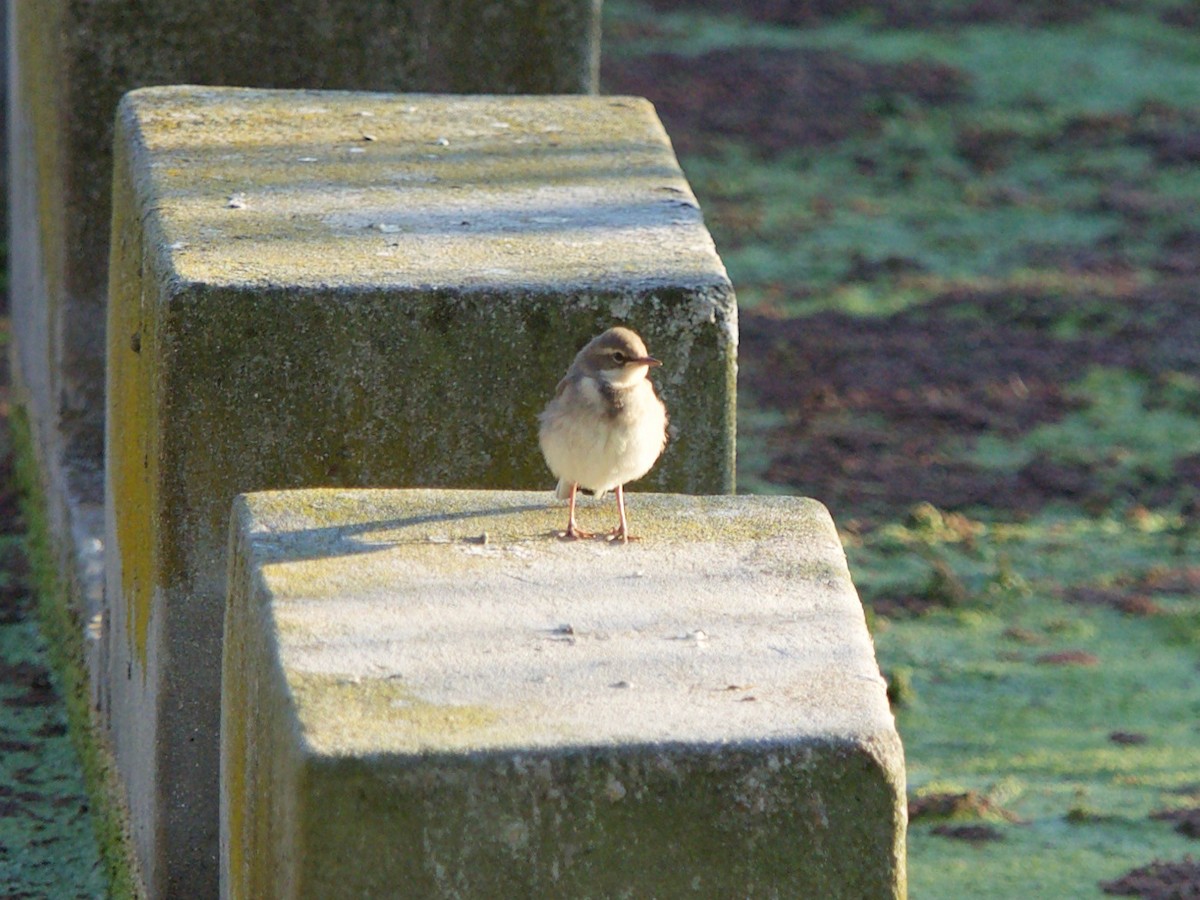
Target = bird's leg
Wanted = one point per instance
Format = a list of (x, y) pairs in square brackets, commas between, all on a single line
[(621, 532), (574, 532)]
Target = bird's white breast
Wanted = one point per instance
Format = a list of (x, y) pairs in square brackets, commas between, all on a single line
[(586, 444)]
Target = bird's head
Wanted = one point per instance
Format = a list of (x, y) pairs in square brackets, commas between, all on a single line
[(618, 356)]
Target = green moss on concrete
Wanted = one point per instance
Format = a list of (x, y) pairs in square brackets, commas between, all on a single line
[(470, 418), (371, 709), (659, 821), (64, 640), (482, 190)]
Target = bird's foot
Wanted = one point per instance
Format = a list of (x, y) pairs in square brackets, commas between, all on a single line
[(620, 536), (574, 533)]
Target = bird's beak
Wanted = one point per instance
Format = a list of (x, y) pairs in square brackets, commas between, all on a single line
[(648, 361)]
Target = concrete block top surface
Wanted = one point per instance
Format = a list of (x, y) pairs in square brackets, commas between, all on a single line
[(320, 188), (425, 621)]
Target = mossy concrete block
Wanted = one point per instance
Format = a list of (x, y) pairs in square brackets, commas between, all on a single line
[(426, 693), (347, 289), (72, 61)]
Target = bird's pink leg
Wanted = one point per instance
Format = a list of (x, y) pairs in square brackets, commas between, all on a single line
[(621, 532), (574, 532)]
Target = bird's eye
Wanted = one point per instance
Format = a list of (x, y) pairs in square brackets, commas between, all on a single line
[(620, 358)]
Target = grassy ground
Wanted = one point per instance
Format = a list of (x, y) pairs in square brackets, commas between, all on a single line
[(47, 844), (964, 240)]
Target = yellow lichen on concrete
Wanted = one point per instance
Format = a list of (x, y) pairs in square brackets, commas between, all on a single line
[(346, 713), (348, 521), (131, 432)]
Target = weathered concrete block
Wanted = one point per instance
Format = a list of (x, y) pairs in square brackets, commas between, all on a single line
[(314, 288), (72, 61), (411, 710)]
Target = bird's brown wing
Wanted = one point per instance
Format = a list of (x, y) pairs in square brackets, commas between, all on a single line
[(562, 385)]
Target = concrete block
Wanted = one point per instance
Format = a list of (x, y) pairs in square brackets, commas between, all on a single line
[(71, 62), (412, 708), (338, 289)]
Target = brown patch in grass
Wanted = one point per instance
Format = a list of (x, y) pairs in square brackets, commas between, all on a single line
[(902, 13), (1175, 147), (963, 805), (1132, 595), (1105, 258), (902, 606), (1158, 881), (1024, 635), (1187, 821), (1068, 658), (987, 149), (1138, 605), (1180, 253), (50, 729), (776, 100), (39, 692), (878, 411), (1179, 580), (1186, 15), (1122, 600), (1128, 738), (975, 834)]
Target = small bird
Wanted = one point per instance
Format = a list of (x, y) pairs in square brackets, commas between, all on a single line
[(605, 425)]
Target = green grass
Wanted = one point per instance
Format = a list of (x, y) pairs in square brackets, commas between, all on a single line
[(1113, 61), (1128, 430), (45, 831), (988, 711), (62, 641), (812, 218), (804, 219)]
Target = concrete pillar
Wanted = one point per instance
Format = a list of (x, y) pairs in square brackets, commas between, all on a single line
[(322, 288), (412, 710)]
